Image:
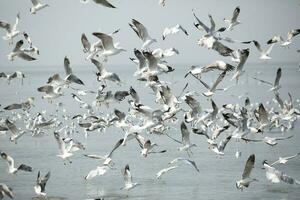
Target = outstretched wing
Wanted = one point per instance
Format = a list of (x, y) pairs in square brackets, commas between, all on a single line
[(249, 166)]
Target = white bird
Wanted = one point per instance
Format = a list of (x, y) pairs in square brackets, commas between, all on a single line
[(186, 161), (128, 179), (31, 49), (243, 56), (272, 141), (15, 132), (162, 2), (274, 86), (9, 77), (213, 88), (173, 30), (165, 170), (233, 21), (70, 76), (99, 171), (65, 150), (103, 74), (104, 3), (219, 149), (40, 185), (145, 145), (50, 91), (18, 52), (11, 31), (186, 144), (5, 191), (37, 5), (275, 176), (284, 160), (285, 43), (142, 33), (11, 165), (246, 180), (264, 54), (109, 47)]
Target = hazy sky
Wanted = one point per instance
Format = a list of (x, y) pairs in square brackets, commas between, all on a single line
[(56, 30)]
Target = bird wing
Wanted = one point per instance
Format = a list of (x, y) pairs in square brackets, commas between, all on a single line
[(219, 79), (67, 66), (222, 49), (74, 79), (35, 2), (60, 142), (185, 134), (257, 45), (223, 143), (278, 76), (99, 66), (213, 24), (279, 100), (249, 166), (107, 40), (262, 81), (284, 138), (43, 181), (26, 56), (201, 24), (25, 168), (85, 42), (5, 25), (141, 30), (13, 106), (11, 126), (141, 140), (17, 22), (141, 58), (235, 14), (104, 3), (18, 46), (183, 30), (115, 147)]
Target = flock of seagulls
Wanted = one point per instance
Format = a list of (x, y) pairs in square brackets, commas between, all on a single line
[(245, 123)]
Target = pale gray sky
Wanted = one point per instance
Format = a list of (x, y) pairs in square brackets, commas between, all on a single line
[(57, 29)]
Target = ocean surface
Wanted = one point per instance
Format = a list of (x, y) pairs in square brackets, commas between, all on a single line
[(217, 176)]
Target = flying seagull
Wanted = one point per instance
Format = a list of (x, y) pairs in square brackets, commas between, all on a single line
[(165, 170), (15, 132), (233, 21), (213, 88), (264, 53), (275, 176), (142, 33), (128, 179), (284, 160), (246, 180), (65, 150), (173, 30), (11, 165), (103, 74), (275, 86), (11, 30), (18, 52), (37, 5), (186, 161), (23, 105), (9, 77), (70, 77), (40, 185)]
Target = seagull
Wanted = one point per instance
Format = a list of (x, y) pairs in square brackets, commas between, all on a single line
[(244, 54), (15, 132), (165, 170), (162, 3), (285, 43), (107, 158), (212, 89), (50, 91), (24, 105), (91, 49), (104, 3), (142, 33), (284, 160), (272, 141), (186, 161), (11, 31), (185, 139), (103, 75), (70, 77), (233, 21), (109, 47), (99, 171), (173, 30), (275, 176), (11, 164), (5, 191), (65, 150), (37, 5), (128, 179), (141, 61), (219, 149), (18, 52), (264, 54), (246, 180), (41, 182), (146, 145), (9, 77), (276, 86), (217, 65)]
